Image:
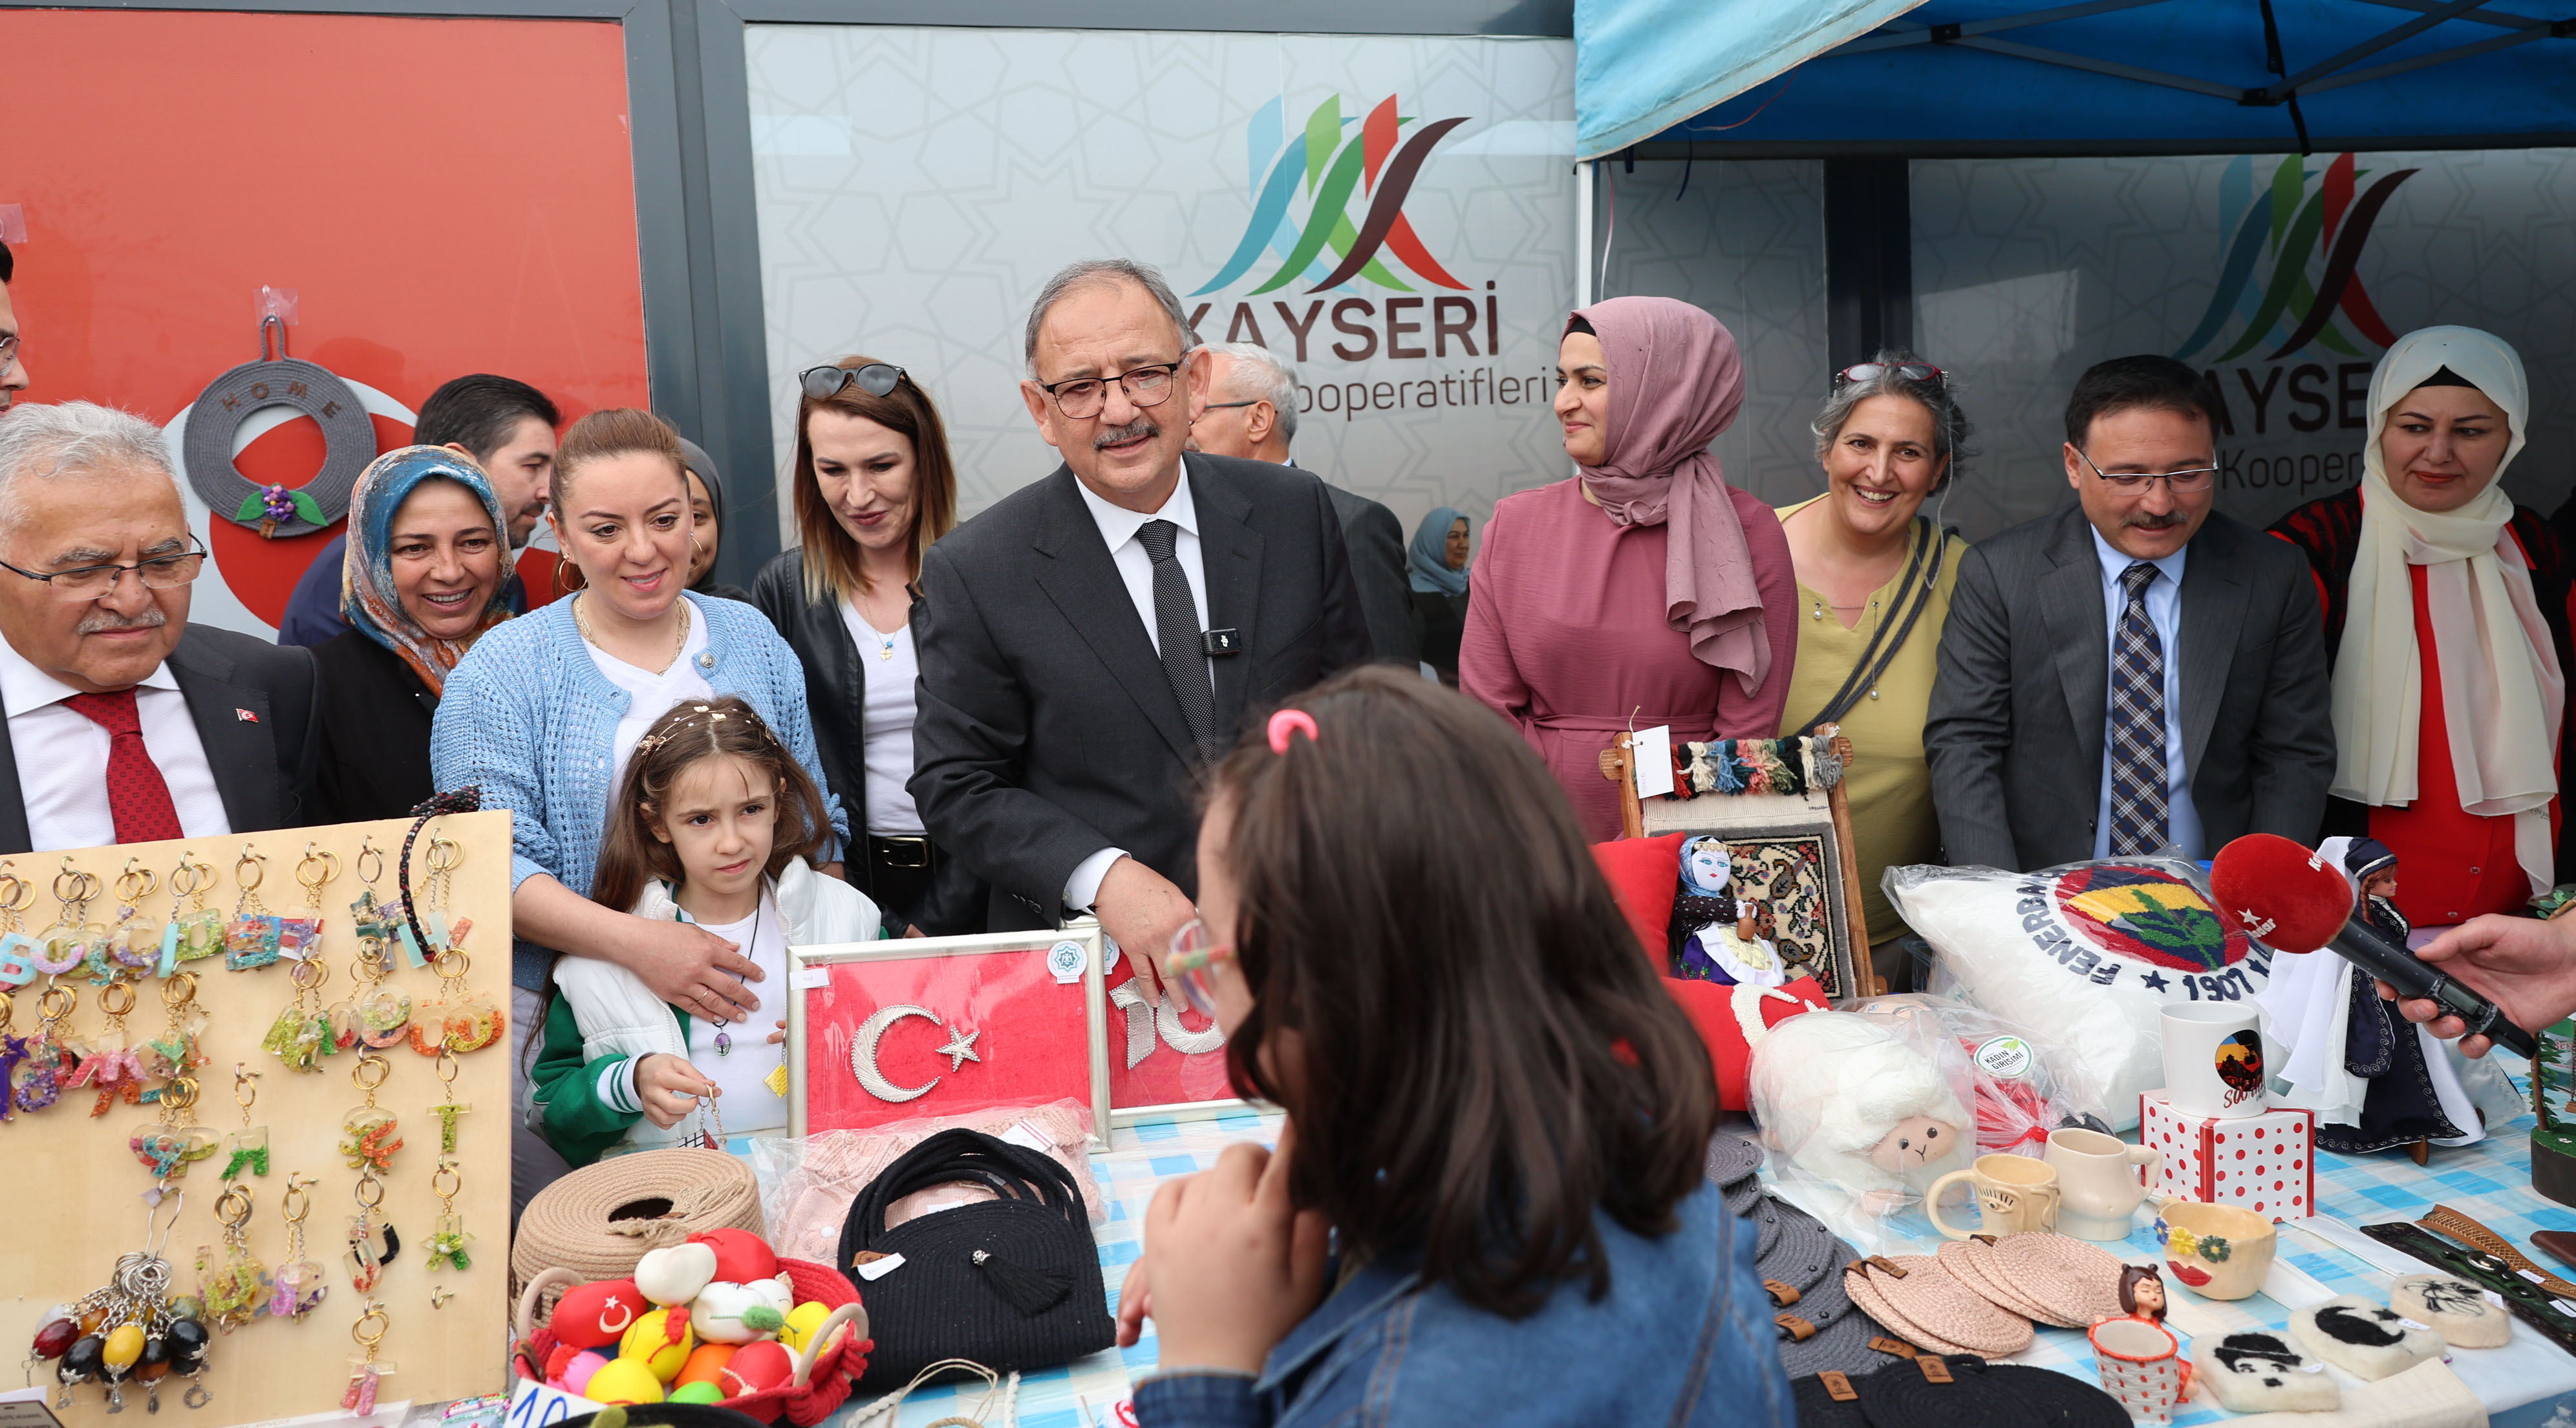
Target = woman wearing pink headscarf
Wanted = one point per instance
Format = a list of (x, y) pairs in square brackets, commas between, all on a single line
[(1646, 590)]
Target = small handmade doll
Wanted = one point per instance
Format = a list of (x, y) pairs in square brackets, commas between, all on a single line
[(1724, 938)]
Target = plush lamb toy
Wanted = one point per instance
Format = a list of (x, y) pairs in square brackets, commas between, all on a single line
[(1856, 1106)]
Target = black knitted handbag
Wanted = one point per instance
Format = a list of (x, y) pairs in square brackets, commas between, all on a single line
[(1011, 1283)]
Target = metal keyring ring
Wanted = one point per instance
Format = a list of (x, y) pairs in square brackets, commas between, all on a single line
[(257, 863), (366, 1183), (108, 1000), (179, 990), (366, 1063)]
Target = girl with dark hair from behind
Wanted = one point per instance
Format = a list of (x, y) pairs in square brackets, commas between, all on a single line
[(1494, 1112)]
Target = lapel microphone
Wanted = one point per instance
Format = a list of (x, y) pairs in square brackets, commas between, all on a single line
[(2292, 900)]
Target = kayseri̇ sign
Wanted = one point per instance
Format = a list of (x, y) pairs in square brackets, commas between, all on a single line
[(1392, 215)]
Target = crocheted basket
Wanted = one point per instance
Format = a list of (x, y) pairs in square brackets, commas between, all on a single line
[(823, 1378)]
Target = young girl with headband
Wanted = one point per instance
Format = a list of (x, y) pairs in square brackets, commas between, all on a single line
[(716, 823), (1496, 1118)]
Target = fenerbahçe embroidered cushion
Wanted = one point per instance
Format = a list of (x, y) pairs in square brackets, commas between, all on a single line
[(2091, 951)]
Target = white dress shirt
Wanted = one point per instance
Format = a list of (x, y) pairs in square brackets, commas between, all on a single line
[(62, 757), (2164, 611), (650, 694), (887, 717), (1118, 527)]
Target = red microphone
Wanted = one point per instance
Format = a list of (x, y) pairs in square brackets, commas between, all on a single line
[(2293, 900)]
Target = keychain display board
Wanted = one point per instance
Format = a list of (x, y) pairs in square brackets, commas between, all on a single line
[(894, 1030), (80, 1190)]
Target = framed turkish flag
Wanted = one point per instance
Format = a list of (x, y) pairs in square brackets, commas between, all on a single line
[(880, 1032), (1163, 1063)]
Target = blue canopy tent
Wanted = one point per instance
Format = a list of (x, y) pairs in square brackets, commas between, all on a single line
[(1868, 84)]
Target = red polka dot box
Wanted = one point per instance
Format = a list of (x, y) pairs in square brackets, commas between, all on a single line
[(2266, 1163)]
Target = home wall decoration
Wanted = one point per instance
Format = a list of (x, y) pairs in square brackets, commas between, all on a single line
[(219, 1203), (896, 1030), (349, 441)]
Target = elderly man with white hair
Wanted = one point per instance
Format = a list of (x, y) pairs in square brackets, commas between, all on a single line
[(125, 723), (1251, 412)]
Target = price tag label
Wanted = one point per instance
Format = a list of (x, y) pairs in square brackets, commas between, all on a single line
[(533, 1405), (807, 979), (1650, 753)]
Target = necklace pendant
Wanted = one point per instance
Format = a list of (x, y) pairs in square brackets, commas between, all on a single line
[(724, 1043)]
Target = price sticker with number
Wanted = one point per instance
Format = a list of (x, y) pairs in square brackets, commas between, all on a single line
[(533, 1405)]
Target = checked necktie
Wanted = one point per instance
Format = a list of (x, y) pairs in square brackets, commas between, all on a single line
[(136, 793), (2137, 724), (1176, 634)]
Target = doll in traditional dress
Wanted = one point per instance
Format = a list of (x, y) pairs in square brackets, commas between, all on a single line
[(1729, 940)]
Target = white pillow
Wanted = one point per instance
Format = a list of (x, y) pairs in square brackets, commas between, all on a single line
[(2085, 953)]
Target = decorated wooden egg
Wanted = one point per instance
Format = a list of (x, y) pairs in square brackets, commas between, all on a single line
[(598, 1314), (705, 1362), (697, 1393), (802, 1321), (741, 1256), (675, 1273), (755, 1367), (624, 1381), (740, 1313), (651, 1344), (578, 1373)]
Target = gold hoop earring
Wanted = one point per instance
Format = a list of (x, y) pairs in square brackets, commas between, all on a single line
[(567, 584)]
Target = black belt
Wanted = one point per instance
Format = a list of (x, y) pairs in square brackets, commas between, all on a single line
[(900, 852)]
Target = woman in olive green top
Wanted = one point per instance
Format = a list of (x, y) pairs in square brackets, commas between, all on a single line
[(1873, 590)]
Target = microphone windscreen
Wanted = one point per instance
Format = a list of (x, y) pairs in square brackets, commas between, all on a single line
[(2279, 893)]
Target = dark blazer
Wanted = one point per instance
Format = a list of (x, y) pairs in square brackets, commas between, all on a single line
[(1375, 542), (836, 694), (1047, 730), (372, 733), (263, 765), (2015, 730)]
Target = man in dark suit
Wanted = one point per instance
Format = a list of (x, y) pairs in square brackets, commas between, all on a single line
[(1251, 412), (2136, 647), (1092, 642), (125, 723)]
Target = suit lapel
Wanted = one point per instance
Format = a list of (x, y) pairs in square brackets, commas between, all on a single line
[(2212, 615), (14, 837), (241, 751), (1080, 578), (2071, 596), (1230, 550)]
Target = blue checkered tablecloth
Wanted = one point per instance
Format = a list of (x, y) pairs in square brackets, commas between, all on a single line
[(2523, 1384)]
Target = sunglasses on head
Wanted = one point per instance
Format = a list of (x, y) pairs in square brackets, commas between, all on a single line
[(1872, 371), (824, 383)]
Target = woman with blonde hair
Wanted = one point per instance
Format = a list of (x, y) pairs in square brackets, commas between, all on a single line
[(874, 487)]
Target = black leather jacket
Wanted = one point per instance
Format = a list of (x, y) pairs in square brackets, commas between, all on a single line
[(836, 693)]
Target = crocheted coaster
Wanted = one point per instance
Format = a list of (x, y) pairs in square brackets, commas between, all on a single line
[(2259, 1372), (1843, 1329), (1903, 1394), (1797, 1249), (2366, 1340), (2060, 1399), (1732, 1155), (2458, 1310), (1818, 1408), (1971, 1263), (1867, 1288), (1930, 1297), (1743, 1195), (2077, 1283)]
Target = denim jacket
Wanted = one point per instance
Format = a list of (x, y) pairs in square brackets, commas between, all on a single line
[(1684, 1336)]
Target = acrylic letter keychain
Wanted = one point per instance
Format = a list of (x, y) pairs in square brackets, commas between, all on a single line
[(377, 1015), (197, 931), (237, 1290), (134, 944), (461, 1020), (251, 938), (367, 1138), (299, 1287), (247, 1148), (17, 949)]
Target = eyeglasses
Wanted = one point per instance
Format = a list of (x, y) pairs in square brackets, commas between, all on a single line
[(1080, 397), (2194, 479), (1221, 406), (1190, 966), (1872, 371), (8, 353), (877, 379), (95, 582)]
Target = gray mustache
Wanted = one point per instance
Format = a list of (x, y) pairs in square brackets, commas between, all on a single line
[(103, 621), (1141, 427)]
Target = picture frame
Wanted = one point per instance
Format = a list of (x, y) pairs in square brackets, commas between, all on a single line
[(1018, 1016), (1146, 1059)]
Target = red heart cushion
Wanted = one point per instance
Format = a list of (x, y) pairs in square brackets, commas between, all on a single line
[(1645, 874)]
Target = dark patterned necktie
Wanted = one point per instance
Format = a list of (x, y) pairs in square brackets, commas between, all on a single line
[(137, 795), (1176, 633), (2137, 724)]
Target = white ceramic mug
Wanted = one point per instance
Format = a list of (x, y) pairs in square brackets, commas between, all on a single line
[(2014, 1194), (2215, 1060), (2141, 1365), (2099, 1182)]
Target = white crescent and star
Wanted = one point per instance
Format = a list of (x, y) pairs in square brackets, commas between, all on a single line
[(863, 1051)]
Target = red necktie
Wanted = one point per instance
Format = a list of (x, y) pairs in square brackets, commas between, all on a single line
[(136, 793)]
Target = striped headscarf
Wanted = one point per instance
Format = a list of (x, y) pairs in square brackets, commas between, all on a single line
[(368, 600)]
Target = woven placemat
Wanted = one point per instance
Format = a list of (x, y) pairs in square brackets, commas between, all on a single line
[(2060, 1399), (1817, 1407), (1742, 1196), (1863, 1285), (1900, 1395), (2078, 1283), (1797, 1249), (1843, 1334), (1971, 1262), (1733, 1154), (1933, 1299)]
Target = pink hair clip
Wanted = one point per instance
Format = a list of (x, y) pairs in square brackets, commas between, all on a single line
[(1288, 721)]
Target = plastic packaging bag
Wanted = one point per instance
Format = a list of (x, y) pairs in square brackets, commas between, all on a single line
[(1861, 1111), (2025, 1083)]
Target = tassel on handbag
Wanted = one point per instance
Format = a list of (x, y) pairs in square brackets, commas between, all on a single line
[(1030, 1291)]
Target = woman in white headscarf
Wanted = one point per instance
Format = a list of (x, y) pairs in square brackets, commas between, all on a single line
[(2446, 617)]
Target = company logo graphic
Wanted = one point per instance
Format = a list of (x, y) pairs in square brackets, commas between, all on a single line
[(1377, 165), (2293, 224), (2150, 915)]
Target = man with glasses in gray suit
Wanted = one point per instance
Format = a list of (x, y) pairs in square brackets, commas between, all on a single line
[(2137, 646)]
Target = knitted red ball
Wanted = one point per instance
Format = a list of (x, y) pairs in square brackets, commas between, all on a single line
[(598, 1314), (741, 1256), (2279, 893)]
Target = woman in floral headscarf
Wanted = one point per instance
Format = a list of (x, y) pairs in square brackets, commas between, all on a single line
[(422, 578), (1646, 590)]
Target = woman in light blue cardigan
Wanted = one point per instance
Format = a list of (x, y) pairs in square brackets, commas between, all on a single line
[(544, 711)]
